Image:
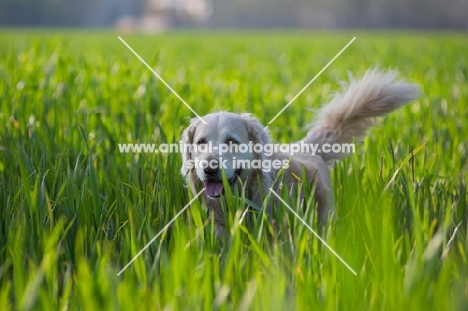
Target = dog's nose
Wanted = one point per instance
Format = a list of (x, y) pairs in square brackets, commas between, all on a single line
[(212, 167)]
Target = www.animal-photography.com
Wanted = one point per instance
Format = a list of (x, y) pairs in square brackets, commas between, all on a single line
[(233, 155)]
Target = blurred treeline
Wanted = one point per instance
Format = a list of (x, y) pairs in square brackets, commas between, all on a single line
[(243, 13)]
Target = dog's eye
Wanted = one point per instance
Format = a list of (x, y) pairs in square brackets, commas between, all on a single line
[(201, 141), (231, 140)]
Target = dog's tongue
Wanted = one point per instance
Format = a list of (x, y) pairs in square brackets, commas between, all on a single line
[(213, 189)]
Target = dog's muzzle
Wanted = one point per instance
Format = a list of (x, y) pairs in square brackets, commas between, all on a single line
[(215, 187)]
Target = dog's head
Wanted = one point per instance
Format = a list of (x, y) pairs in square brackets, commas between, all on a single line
[(224, 143)]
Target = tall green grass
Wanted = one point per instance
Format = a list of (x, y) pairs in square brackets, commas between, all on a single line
[(74, 211)]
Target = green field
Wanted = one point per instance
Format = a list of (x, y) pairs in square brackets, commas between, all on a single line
[(74, 210)]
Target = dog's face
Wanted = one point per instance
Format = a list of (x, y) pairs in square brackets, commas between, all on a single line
[(216, 148)]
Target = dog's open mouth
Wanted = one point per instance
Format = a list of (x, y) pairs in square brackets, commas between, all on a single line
[(214, 188)]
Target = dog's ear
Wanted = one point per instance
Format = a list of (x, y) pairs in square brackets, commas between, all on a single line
[(186, 142), (258, 134)]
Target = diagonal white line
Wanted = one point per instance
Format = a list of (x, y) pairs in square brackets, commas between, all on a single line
[(161, 79), (311, 230), (160, 232), (313, 79)]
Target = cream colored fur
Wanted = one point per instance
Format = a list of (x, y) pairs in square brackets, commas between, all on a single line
[(347, 117)]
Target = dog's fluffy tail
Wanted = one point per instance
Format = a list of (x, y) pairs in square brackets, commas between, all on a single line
[(351, 112)]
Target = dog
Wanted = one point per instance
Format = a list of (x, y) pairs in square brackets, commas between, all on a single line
[(346, 118)]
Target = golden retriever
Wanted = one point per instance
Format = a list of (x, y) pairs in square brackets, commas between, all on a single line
[(346, 118)]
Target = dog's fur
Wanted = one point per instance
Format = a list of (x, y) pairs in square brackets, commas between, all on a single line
[(347, 117)]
